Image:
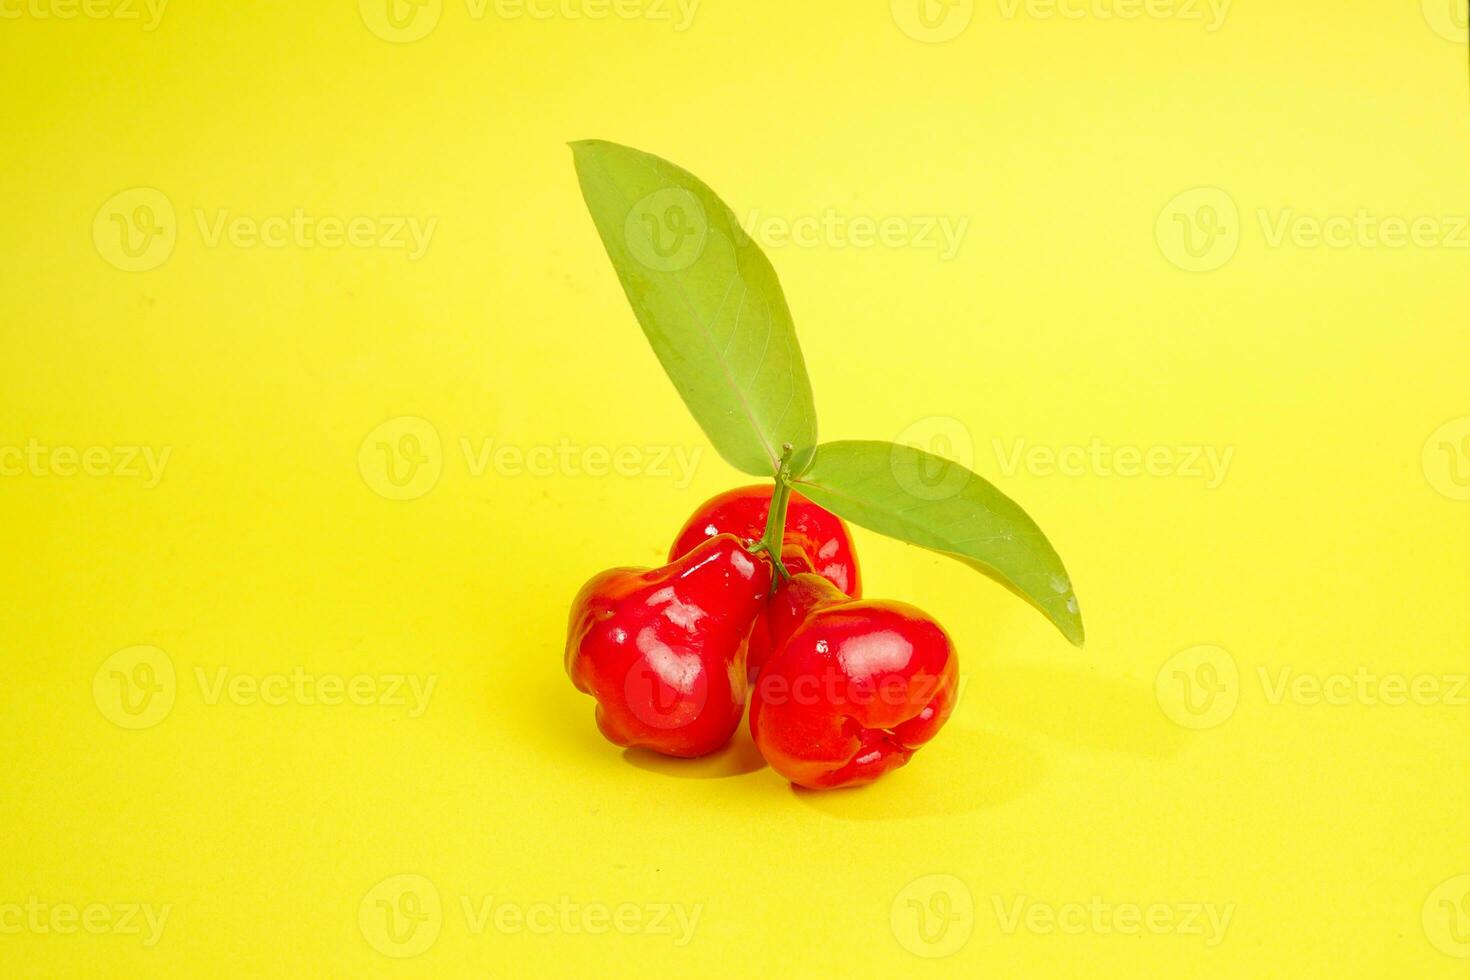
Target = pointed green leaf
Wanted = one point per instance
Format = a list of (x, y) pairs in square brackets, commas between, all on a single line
[(937, 504), (709, 303)]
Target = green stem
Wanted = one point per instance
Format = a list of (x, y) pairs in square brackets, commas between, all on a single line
[(775, 533)]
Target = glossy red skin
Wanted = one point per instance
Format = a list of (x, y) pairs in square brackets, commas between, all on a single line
[(663, 650), (818, 533), (854, 687), (816, 540)]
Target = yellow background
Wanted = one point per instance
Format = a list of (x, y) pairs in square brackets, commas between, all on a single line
[(1334, 544)]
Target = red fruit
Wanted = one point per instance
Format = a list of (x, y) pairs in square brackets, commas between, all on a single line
[(853, 688), (816, 540), (663, 650), (817, 533)]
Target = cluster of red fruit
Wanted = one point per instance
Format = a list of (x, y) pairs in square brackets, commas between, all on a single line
[(841, 689)]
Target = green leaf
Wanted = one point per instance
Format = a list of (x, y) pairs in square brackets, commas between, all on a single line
[(709, 303), (937, 504)]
